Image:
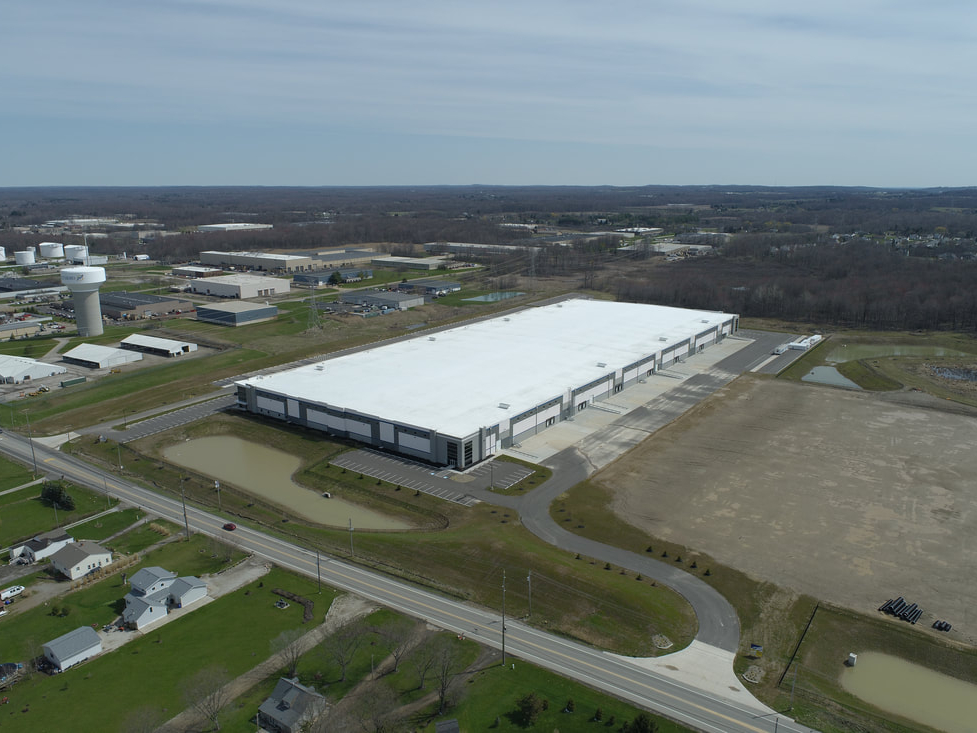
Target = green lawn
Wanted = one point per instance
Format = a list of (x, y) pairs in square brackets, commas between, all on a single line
[(12, 474), (23, 514), (234, 632), (143, 536), (102, 527)]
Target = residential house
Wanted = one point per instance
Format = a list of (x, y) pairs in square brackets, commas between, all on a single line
[(155, 591), (79, 559), (291, 706), (40, 547)]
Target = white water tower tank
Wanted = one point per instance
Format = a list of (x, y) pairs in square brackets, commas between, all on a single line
[(51, 249), (83, 282), (24, 257)]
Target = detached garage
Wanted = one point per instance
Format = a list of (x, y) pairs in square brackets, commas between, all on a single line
[(73, 648)]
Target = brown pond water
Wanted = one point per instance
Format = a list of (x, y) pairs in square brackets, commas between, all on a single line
[(914, 692), (266, 473)]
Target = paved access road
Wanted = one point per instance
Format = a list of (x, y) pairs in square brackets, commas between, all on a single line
[(597, 669)]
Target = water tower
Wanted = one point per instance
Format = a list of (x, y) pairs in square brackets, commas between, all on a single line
[(83, 282)]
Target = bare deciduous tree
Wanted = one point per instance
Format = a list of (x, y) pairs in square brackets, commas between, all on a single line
[(286, 644), (342, 645), (447, 665), (206, 693), (399, 636)]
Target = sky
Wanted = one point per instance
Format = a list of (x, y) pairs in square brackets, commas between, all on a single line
[(550, 92)]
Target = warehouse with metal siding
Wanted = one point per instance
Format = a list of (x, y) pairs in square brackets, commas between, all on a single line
[(455, 397)]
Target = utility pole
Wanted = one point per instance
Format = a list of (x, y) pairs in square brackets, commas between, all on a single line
[(30, 437), (529, 579), (503, 617), (217, 485), (118, 448), (351, 537), (318, 575), (183, 496)]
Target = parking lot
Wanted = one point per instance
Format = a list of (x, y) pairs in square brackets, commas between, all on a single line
[(443, 483)]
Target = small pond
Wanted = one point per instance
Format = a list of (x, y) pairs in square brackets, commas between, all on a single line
[(829, 375), (920, 694), (494, 297), (266, 473)]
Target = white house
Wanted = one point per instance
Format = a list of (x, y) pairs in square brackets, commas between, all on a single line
[(72, 648), (40, 547), (78, 559), (155, 591)]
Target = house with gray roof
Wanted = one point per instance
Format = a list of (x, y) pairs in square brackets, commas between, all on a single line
[(72, 648), (40, 546), (291, 706), (155, 591), (79, 559)]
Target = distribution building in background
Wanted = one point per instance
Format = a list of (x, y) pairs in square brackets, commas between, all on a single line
[(455, 397)]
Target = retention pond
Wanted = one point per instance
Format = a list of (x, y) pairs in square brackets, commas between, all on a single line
[(266, 473), (914, 692)]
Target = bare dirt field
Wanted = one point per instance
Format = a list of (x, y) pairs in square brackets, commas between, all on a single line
[(851, 497)]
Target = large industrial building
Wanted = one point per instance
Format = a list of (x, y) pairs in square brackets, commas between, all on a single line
[(455, 397), (235, 314), (240, 286)]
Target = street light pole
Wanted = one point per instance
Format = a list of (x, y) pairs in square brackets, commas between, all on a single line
[(503, 617), (529, 579), (30, 437), (351, 537), (318, 575), (183, 496), (118, 448)]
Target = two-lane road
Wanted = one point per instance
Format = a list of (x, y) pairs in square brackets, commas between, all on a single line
[(617, 676)]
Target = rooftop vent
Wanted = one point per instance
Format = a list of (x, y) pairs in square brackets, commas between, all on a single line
[(704, 320), (504, 405), (431, 338), (320, 368), (506, 320), (601, 364), (662, 338)]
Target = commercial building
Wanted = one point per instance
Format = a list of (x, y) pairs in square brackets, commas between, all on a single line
[(157, 346), (461, 394), (329, 276), (127, 305), (17, 369), (433, 288), (242, 287), (382, 299), (72, 648), (261, 261), (95, 356), (412, 263), (196, 271), (233, 227), (236, 313)]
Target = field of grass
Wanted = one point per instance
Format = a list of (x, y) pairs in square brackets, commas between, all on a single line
[(143, 536), (24, 515), (540, 475), (12, 474), (102, 527), (234, 632)]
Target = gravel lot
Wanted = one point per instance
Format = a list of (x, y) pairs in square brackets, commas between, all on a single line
[(852, 497)]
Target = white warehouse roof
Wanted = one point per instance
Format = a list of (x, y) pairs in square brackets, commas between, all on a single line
[(476, 375), (101, 356)]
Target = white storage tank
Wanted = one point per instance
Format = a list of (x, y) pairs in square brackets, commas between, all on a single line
[(24, 257), (76, 252), (51, 249)]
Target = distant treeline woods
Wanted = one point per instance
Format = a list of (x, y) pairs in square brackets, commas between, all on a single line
[(856, 285)]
